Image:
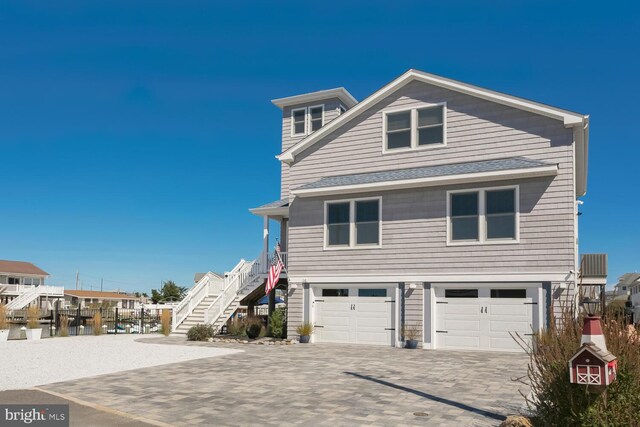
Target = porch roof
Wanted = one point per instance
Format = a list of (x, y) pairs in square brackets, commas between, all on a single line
[(276, 208), (458, 173)]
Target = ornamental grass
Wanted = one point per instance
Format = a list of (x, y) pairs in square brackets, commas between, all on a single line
[(554, 401)]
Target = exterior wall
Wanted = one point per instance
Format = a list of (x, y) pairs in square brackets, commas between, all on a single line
[(414, 236), (414, 221), (4, 278), (295, 315), (414, 307), (331, 111), (563, 300)]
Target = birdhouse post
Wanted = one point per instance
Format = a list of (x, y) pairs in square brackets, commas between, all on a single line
[(592, 364)]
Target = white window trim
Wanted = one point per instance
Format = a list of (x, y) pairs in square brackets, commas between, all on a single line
[(293, 127), (309, 130), (352, 225), (482, 226), (414, 128)]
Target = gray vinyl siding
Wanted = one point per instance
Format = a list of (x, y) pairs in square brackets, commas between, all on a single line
[(413, 306), (294, 311), (414, 220), (330, 112), (562, 300), (414, 236)]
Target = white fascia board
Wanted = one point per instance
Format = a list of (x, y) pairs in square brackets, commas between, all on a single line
[(475, 277), (550, 170), (568, 118), (340, 93), (281, 211)]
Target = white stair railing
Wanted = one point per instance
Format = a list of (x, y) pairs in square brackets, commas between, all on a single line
[(234, 285), (194, 297), (24, 299)]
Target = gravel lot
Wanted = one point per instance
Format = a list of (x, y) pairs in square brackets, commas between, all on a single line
[(31, 363)]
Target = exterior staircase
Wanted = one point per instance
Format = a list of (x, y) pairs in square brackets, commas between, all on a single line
[(32, 293), (214, 302)]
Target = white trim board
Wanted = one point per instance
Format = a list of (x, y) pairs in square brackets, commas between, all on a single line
[(341, 93), (550, 170)]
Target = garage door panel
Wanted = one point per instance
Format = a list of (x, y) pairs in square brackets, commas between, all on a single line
[(452, 325), (484, 322)]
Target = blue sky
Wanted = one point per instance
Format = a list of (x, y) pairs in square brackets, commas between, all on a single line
[(135, 135)]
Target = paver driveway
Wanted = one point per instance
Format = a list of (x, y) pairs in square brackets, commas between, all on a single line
[(316, 384)]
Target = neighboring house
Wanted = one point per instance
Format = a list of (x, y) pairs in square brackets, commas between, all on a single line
[(199, 276), (630, 282), (75, 298), (23, 284), (431, 203)]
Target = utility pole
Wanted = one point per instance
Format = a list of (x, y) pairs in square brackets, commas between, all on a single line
[(77, 275), (101, 284)]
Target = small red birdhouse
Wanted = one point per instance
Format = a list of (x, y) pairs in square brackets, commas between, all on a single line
[(592, 366)]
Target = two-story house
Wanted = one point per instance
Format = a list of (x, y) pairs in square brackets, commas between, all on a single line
[(22, 283), (433, 204)]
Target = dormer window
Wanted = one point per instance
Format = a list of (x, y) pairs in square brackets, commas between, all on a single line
[(416, 128), (306, 120)]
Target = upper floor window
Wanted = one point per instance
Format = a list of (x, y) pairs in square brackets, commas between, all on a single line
[(352, 223), (306, 120), (299, 121), (483, 216), (415, 128), (13, 280), (35, 281)]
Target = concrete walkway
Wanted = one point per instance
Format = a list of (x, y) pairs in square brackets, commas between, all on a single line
[(315, 384)]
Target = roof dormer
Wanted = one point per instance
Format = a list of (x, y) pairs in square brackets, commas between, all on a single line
[(304, 114)]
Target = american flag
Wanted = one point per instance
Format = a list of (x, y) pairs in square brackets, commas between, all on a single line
[(274, 271)]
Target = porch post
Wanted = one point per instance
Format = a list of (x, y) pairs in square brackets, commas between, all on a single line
[(265, 243)]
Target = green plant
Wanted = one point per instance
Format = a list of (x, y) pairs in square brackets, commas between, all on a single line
[(64, 326), (4, 323), (556, 402), (33, 317), (305, 329), (200, 333), (253, 326), (236, 327), (165, 322), (169, 292), (410, 332), (97, 323), (276, 323)]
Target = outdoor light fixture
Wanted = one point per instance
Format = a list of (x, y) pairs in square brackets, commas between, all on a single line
[(590, 305)]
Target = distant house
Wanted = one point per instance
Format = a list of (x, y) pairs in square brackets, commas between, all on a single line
[(625, 282), (199, 276), (631, 281), (22, 283), (75, 298)]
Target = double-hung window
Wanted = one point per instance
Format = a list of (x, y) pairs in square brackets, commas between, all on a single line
[(306, 120), (415, 128), (353, 223), (483, 216)]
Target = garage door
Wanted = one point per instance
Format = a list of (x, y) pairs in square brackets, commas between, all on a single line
[(354, 315), (482, 318)]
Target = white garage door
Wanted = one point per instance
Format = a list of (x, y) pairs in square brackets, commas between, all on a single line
[(482, 318), (354, 315)]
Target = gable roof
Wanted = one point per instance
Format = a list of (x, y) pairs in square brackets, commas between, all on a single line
[(428, 176), (570, 119), (603, 355), (341, 93), (21, 267), (628, 279)]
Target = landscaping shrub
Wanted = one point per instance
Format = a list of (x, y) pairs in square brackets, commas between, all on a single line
[(4, 323), (97, 323), (165, 322), (276, 323), (64, 326), (556, 402), (200, 333), (411, 332), (253, 326), (33, 317), (236, 327)]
